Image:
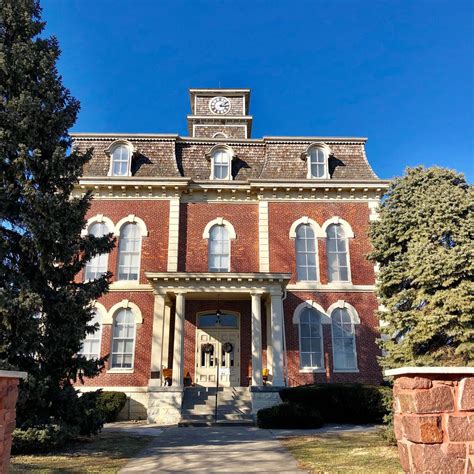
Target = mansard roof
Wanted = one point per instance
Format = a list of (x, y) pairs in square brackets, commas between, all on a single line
[(268, 158)]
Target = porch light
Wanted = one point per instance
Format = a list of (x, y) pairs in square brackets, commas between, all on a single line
[(218, 317)]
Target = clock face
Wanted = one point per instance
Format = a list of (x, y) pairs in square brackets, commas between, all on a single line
[(219, 105)]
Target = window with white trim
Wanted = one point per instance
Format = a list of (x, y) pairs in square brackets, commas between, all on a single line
[(337, 253), (123, 340), (219, 249), (343, 340), (97, 265), (129, 252), (121, 161), (311, 339), (306, 253), (221, 164), (90, 348)]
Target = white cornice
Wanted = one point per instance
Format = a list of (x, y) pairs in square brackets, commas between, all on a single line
[(83, 136), (170, 277)]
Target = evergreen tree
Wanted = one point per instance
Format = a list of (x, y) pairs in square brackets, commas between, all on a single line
[(423, 242), (45, 312)]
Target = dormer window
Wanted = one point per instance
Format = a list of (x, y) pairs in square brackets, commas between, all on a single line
[(221, 157), (120, 153), (316, 157)]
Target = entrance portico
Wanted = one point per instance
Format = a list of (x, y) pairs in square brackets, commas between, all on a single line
[(173, 289)]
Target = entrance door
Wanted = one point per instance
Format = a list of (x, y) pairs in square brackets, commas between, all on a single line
[(224, 358)]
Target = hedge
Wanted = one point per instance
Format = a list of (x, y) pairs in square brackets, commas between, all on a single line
[(342, 402), (110, 404), (41, 439), (289, 415)]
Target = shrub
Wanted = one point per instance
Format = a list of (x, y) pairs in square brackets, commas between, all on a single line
[(110, 404), (341, 402), (41, 439), (289, 415)]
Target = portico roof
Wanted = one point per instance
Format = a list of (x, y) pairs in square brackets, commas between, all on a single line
[(210, 282)]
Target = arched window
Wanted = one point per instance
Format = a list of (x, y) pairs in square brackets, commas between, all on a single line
[(219, 249), (343, 340), (311, 339), (317, 159), (121, 161), (129, 252), (306, 261), (123, 340), (91, 344), (97, 265), (221, 164), (219, 135), (337, 252)]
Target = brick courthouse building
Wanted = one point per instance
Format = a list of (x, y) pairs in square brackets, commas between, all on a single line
[(247, 253)]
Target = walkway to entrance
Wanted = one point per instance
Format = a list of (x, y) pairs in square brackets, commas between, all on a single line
[(214, 449)]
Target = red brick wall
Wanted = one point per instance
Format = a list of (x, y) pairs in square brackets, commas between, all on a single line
[(155, 214), (144, 331), (8, 397), (282, 248), (193, 249), (366, 334)]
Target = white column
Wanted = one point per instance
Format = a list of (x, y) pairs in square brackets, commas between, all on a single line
[(277, 339), (268, 314), (256, 339), (166, 337), (157, 337), (173, 235), (178, 346)]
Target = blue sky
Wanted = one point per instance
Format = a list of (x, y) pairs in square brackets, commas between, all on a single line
[(398, 72)]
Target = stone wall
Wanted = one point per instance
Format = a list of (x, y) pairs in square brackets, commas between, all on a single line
[(434, 418), (8, 396), (264, 397), (164, 405)]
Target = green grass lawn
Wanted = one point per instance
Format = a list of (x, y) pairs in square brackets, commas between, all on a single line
[(105, 453), (344, 452)]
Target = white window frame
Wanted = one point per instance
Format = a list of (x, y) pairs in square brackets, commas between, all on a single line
[(110, 151), (305, 220), (219, 221), (218, 270), (120, 369), (349, 234), (230, 157), (306, 156), (130, 219), (311, 305), (98, 219), (101, 314), (355, 320)]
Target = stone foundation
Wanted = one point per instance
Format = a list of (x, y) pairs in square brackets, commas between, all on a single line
[(164, 405), (264, 397), (434, 418), (8, 395)]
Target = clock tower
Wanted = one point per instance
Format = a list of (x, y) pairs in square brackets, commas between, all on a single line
[(220, 113)]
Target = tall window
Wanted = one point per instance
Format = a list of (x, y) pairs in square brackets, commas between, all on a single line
[(317, 163), (97, 266), (311, 339), (343, 340), (219, 249), (129, 252), (338, 265), (306, 267), (221, 165), (123, 340), (91, 344), (121, 161)]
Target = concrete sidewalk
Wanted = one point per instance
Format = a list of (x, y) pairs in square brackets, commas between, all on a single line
[(214, 449)]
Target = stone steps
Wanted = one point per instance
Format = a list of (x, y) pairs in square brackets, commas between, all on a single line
[(234, 406)]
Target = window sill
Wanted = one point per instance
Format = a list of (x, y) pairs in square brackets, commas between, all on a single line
[(345, 371), (312, 371), (120, 371), (334, 286)]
